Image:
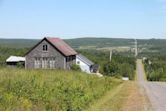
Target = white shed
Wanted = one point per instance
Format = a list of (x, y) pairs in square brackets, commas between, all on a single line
[(14, 60), (85, 64)]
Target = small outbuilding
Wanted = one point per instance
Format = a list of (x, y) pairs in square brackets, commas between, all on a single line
[(84, 63), (15, 60)]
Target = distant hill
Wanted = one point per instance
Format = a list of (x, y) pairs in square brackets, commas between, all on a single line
[(18, 43), (153, 44), (149, 44), (100, 42), (76, 43)]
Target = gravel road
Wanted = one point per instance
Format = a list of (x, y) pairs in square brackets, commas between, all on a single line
[(156, 91)]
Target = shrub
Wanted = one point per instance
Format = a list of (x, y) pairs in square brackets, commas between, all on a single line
[(50, 90), (75, 67)]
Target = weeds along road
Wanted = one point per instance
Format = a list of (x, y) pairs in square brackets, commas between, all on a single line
[(125, 97), (155, 91)]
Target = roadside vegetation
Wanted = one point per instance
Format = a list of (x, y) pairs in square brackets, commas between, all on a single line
[(50, 90), (121, 99), (155, 67), (122, 64)]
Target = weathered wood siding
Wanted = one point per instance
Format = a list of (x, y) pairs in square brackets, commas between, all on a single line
[(37, 52)]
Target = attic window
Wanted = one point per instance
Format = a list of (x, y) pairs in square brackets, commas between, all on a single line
[(45, 47)]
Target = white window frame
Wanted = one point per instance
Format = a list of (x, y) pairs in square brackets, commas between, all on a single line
[(52, 63), (37, 63), (44, 62)]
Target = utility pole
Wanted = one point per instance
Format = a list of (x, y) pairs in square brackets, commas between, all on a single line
[(110, 55), (136, 48)]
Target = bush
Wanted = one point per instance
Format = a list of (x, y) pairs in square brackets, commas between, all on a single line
[(75, 67), (155, 71)]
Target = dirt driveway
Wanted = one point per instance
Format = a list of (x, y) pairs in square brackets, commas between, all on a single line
[(156, 91)]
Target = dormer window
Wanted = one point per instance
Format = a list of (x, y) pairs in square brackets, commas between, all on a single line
[(45, 47)]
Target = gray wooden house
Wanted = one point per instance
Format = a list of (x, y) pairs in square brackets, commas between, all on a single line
[(50, 53)]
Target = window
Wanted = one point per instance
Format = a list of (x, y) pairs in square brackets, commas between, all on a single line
[(78, 62), (52, 63), (73, 57), (44, 62), (45, 47), (67, 59), (37, 63)]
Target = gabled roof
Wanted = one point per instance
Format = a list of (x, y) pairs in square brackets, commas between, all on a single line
[(84, 59), (62, 46), (15, 59), (59, 45)]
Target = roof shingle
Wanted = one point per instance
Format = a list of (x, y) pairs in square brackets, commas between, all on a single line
[(61, 46)]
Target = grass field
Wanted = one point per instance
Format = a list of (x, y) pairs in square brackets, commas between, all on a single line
[(50, 90), (125, 97)]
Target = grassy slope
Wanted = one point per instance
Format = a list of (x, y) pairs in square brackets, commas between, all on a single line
[(47, 90), (125, 97), (109, 101)]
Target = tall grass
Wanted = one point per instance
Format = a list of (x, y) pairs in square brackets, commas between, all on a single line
[(50, 90)]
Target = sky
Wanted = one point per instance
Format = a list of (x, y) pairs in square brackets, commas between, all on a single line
[(35, 19)]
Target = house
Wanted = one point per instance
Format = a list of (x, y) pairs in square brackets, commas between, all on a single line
[(84, 63), (15, 60), (50, 53)]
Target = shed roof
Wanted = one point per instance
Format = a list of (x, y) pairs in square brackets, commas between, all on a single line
[(84, 59), (15, 59)]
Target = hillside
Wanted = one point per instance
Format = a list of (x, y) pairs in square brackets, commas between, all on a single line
[(21, 46), (51, 90), (99, 42), (17, 43), (93, 43), (76, 43)]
